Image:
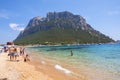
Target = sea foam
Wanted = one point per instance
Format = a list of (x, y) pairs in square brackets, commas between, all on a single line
[(62, 69)]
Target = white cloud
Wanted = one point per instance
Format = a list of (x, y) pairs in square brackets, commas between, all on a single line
[(18, 27)]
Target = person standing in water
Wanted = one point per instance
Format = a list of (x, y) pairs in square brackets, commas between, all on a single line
[(71, 53)]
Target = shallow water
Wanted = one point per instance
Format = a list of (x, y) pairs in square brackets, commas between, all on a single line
[(97, 58)]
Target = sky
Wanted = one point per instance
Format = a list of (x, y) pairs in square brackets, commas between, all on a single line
[(102, 15)]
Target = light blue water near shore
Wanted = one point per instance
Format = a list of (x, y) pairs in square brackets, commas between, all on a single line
[(104, 56)]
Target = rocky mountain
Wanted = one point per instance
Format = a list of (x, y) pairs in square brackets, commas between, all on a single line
[(60, 28)]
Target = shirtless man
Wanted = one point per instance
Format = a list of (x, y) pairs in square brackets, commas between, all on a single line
[(12, 53)]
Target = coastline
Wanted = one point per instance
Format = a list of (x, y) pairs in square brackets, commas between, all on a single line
[(12, 70), (43, 68), (54, 71), (36, 45), (49, 66), (34, 70)]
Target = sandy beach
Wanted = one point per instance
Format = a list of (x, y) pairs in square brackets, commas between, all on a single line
[(12, 70), (20, 70), (38, 69)]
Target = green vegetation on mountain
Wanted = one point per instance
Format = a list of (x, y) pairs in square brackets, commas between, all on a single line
[(60, 28)]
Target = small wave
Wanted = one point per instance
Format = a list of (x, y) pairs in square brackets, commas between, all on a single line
[(62, 69)]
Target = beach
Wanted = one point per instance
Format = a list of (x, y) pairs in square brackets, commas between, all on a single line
[(20, 70), (12, 70), (89, 62), (55, 63)]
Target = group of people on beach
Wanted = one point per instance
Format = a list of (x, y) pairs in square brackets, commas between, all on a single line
[(15, 51)]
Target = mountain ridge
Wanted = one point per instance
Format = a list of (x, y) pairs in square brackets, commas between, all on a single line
[(60, 27)]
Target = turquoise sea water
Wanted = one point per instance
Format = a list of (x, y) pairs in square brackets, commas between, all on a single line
[(102, 57)]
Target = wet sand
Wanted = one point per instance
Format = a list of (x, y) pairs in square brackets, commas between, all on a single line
[(12, 70), (33, 70), (38, 69), (83, 72)]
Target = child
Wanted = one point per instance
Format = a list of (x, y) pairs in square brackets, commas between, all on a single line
[(26, 58)]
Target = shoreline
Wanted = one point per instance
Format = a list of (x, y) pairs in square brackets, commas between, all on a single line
[(12, 70), (34, 45), (34, 70), (40, 68), (56, 72)]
